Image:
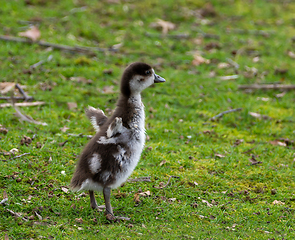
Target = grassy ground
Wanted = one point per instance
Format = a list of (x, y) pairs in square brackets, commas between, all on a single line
[(220, 192)]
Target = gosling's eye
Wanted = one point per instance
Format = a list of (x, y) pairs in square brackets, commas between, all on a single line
[(148, 72)]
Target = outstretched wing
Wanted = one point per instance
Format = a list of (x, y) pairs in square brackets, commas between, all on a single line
[(115, 127), (96, 116)]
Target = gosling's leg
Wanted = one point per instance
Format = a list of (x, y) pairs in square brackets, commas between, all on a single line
[(109, 210), (93, 203), (107, 200)]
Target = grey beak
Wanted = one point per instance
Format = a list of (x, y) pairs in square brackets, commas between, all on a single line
[(158, 79)]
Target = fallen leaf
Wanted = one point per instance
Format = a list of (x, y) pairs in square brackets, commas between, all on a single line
[(6, 237), (165, 25), (230, 77), (212, 45), (108, 71), (72, 105), (256, 59), (66, 190), (291, 54), (64, 129), (208, 10), (171, 199), (223, 65), (79, 220), (208, 204), (238, 142), (198, 60), (81, 80), (163, 162), (33, 33), (253, 160), (276, 202), (5, 87), (260, 116), (278, 143), (279, 71), (137, 196), (262, 99), (108, 89), (219, 155), (280, 95)]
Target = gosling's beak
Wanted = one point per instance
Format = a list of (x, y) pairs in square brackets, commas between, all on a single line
[(158, 79)]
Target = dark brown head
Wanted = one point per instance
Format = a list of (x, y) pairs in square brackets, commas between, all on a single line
[(138, 76)]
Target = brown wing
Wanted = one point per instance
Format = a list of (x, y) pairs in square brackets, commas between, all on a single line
[(96, 116)]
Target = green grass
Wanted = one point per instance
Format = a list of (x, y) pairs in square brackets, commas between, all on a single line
[(183, 142)]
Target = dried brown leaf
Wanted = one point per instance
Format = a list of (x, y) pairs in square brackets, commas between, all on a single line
[(223, 65), (276, 202), (108, 89), (208, 204), (253, 160), (5, 194), (64, 189), (72, 105), (79, 220), (291, 54), (162, 163), (5, 87), (278, 143), (165, 25), (64, 129), (33, 33), (138, 195), (81, 80), (260, 116), (198, 60), (208, 11), (219, 155)]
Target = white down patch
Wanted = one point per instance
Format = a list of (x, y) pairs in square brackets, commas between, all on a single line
[(89, 184), (95, 163)]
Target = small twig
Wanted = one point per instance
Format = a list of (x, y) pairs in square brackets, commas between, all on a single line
[(26, 118), (16, 214), (39, 216), (4, 201), (249, 150), (267, 87), (58, 46), (208, 35), (230, 77), (233, 63), (15, 98), (254, 32), (18, 156), (141, 179), (24, 104), (167, 182), (175, 36), (41, 62), (80, 135), (225, 112), (23, 92)]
